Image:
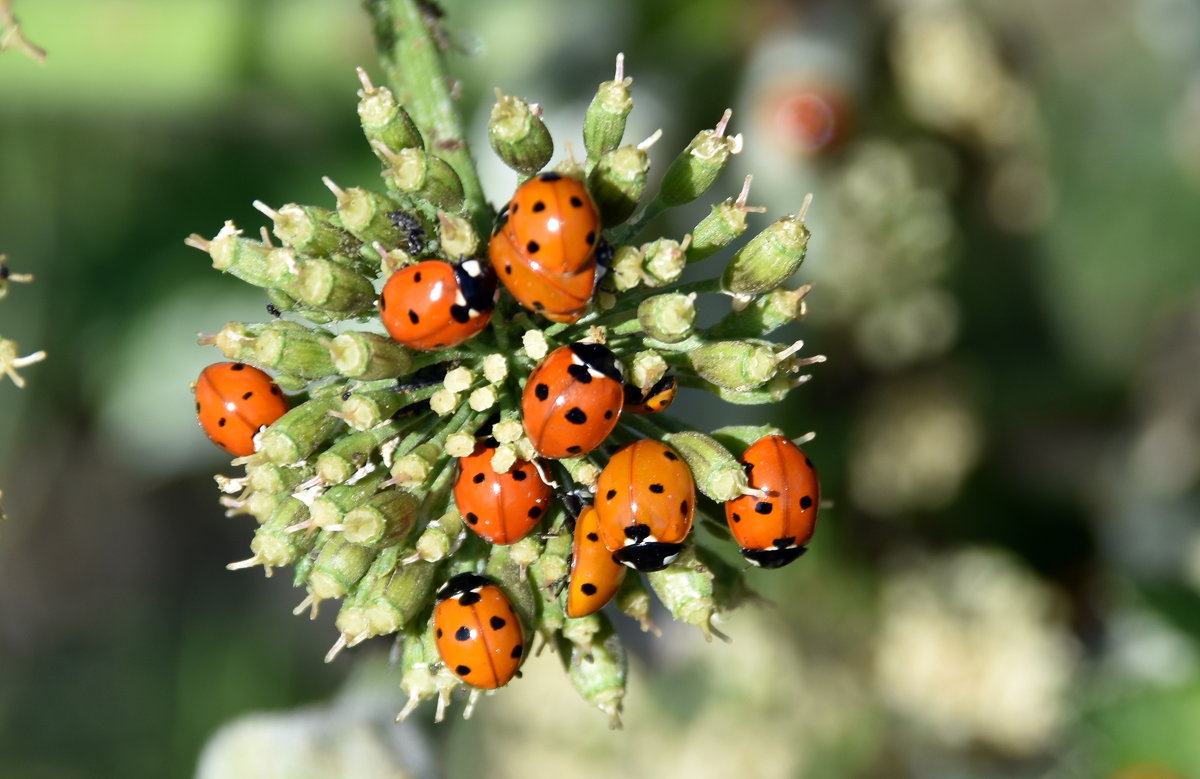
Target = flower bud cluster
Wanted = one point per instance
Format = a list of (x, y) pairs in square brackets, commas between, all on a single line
[(415, 478)]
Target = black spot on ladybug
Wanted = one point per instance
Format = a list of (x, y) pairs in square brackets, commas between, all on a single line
[(737, 517), (806, 502), (237, 366), (683, 507), (519, 475), (497, 622), (657, 489), (763, 507), (588, 589), (610, 494), (275, 390), (534, 512), (539, 206), (472, 518), (532, 247), (513, 207), (748, 468), (576, 416), (576, 202), (417, 277), (541, 391), (221, 422), (574, 449), (637, 533), (412, 317), (439, 632), (383, 302), (462, 670), (470, 598), (197, 407), (608, 414), (784, 543), (247, 395), (551, 176), (808, 462), (460, 314), (478, 478), (517, 650), (593, 536), (580, 373), (539, 305), (590, 237), (667, 453), (462, 634), (508, 269)]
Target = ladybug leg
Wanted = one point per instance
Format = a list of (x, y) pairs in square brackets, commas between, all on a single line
[(472, 699)]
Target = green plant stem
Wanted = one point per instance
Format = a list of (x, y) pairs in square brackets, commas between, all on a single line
[(416, 72)]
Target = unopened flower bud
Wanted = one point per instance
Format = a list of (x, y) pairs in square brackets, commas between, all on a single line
[(646, 368), (634, 600), (511, 578), (294, 350), (365, 214), (534, 344), (495, 368), (627, 267), (273, 546), (427, 176), (271, 478), (384, 520), (331, 507), (769, 259), (664, 261), (518, 135), (739, 437), (440, 537), (383, 118), (598, 669), (365, 410), (686, 588), (301, 431), (735, 365), (369, 356), (717, 473), (779, 307), (339, 566), (617, 182), (604, 122), (668, 318), (404, 595), (351, 452), (457, 235), (699, 165), (723, 225)]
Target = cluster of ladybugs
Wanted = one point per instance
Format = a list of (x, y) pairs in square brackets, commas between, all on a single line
[(637, 511)]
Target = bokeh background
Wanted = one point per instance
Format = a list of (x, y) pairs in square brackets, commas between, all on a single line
[(1007, 582)]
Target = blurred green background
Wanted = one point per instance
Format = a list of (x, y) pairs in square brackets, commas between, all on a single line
[(1005, 282)]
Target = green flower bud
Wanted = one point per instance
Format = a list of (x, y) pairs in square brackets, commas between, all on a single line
[(236, 339), (273, 546), (686, 588), (518, 135), (730, 590), (739, 437), (294, 350), (598, 669), (300, 432), (351, 622), (267, 477), (231, 253), (365, 214), (664, 261), (604, 122), (717, 473), (773, 391), (736, 365), (773, 310), (365, 410), (634, 599), (338, 567), (580, 631), (423, 673), (458, 236), (369, 356), (723, 225), (351, 452), (441, 537), (547, 573), (330, 508), (384, 520), (383, 118), (511, 578), (646, 368), (426, 176), (404, 595), (308, 229), (282, 301), (668, 318), (627, 267), (699, 165), (618, 180), (770, 258), (321, 284)]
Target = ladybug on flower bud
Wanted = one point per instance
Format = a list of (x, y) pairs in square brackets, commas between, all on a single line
[(773, 525), (233, 402), (435, 304)]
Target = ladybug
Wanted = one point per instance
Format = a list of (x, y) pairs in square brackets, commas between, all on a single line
[(595, 575), (434, 304), (553, 222), (233, 402), (645, 499), (559, 298), (773, 526), (501, 507), (653, 400), (572, 400), (478, 635)]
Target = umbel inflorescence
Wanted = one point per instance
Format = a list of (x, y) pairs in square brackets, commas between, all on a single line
[(474, 453)]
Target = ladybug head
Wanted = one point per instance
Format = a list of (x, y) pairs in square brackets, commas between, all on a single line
[(648, 557), (477, 281), (773, 558), (462, 583), (599, 359)]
